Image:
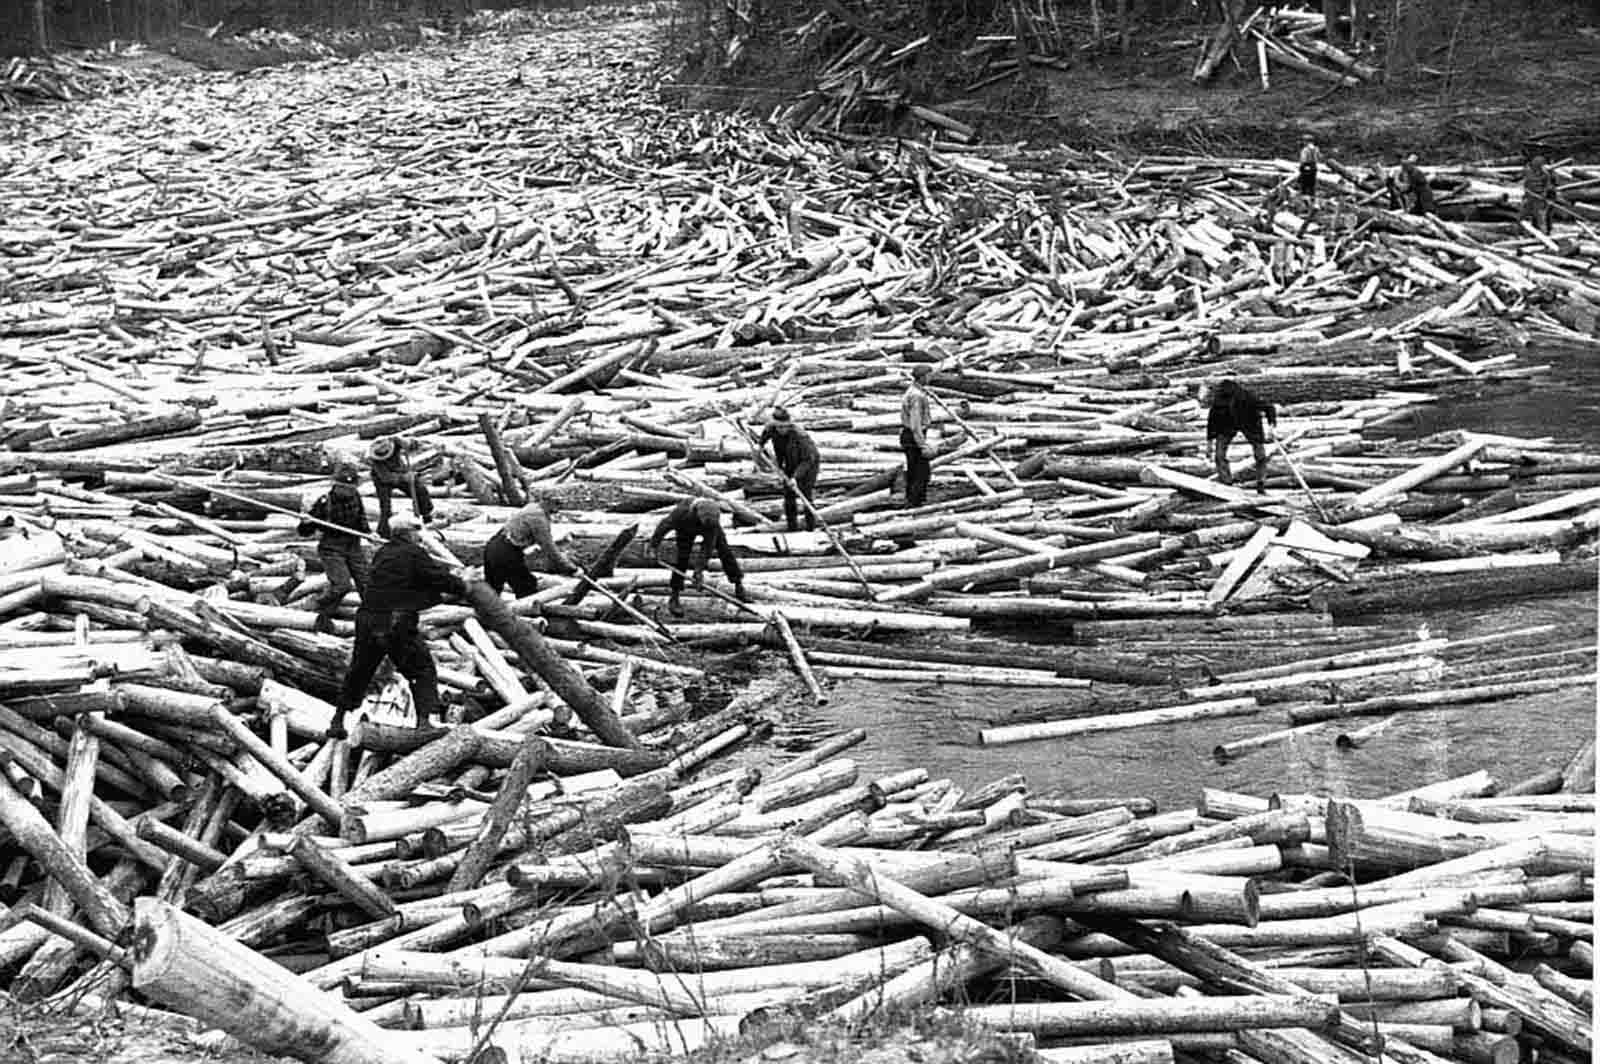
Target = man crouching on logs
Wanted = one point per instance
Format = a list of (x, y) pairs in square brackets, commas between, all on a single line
[(1235, 410), (695, 519), (404, 580)]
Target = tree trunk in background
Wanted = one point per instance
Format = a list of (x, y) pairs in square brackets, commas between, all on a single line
[(1403, 28), (1330, 20), (41, 33), (1122, 26)]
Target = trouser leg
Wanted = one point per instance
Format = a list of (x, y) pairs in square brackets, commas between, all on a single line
[(1259, 449), (420, 499), (791, 512), (1219, 456), (681, 563), (917, 470), (341, 581), (730, 563), (805, 479), (385, 503), (371, 646), (412, 660)]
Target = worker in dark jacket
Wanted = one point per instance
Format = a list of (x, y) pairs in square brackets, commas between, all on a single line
[(391, 472), (343, 556), (1414, 187), (404, 580), (695, 519), (798, 460), (916, 417), (505, 559), (1538, 193), (1236, 411)]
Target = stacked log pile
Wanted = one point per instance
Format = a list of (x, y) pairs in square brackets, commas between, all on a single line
[(593, 301)]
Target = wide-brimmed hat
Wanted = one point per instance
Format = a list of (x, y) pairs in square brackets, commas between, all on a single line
[(383, 448), (781, 414)]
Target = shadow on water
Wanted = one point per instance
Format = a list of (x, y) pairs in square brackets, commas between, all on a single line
[(936, 727)]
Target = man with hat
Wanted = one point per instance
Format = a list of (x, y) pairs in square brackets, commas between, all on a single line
[(505, 558), (404, 580), (390, 473), (798, 460), (1310, 157), (343, 520), (695, 519), (1538, 193), (915, 417)]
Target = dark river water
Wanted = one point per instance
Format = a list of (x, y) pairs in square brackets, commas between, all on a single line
[(936, 727)]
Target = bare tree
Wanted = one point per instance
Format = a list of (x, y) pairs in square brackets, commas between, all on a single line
[(41, 31)]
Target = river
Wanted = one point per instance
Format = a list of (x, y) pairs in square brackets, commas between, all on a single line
[(936, 727)]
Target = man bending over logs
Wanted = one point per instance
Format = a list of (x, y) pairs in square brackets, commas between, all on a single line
[(798, 460), (505, 559), (696, 518), (343, 557), (1235, 410), (390, 473), (405, 580)]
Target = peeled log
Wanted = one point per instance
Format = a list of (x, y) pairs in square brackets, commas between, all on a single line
[(1065, 1019), (195, 970), (532, 650)]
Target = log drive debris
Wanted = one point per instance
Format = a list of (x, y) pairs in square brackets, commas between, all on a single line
[(540, 282)]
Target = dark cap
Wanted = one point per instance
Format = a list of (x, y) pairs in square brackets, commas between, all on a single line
[(781, 413)]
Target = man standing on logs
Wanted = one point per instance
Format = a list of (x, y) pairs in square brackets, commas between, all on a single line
[(1538, 193), (797, 460), (1310, 157), (391, 472), (405, 580), (505, 559), (916, 415), (1414, 187), (344, 558), (696, 518), (1235, 410)]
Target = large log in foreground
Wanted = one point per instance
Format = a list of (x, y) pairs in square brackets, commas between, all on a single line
[(191, 968)]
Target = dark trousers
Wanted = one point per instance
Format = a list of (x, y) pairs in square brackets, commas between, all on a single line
[(411, 486), (1258, 446), (918, 470), (1308, 179), (504, 563), (1535, 211), (686, 540), (805, 478), (345, 564), (393, 636)]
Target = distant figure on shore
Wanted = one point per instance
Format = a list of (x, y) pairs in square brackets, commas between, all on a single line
[(915, 418), (341, 518), (1414, 190), (1235, 410), (1538, 193), (798, 460), (1310, 158), (695, 519)]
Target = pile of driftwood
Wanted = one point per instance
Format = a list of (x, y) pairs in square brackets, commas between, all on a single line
[(552, 290), (61, 77), (1287, 37)]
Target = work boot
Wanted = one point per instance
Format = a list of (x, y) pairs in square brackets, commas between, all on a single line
[(336, 728), (675, 605), (323, 623), (740, 593)]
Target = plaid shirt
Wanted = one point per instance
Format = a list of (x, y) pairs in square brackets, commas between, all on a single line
[(341, 506)]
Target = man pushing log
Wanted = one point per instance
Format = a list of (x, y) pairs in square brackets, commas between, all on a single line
[(799, 462), (391, 472), (695, 519), (405, 580), (1235, 410), (505, 559)]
